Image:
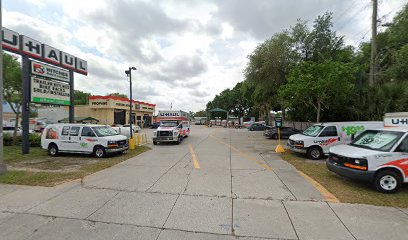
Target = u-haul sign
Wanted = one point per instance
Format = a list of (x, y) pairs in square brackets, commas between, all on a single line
[(396, 119), (20, 44)]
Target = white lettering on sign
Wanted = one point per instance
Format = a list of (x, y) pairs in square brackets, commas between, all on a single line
[(11, 40), (14, 42), (51, 55), (49, 91), (31, 47), (44, 70), (99, 103)]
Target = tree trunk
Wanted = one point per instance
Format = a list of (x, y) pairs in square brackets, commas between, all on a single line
[(319, 107), (15, 129)]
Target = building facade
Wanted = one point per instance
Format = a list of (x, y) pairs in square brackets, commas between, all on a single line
[(112, 110)]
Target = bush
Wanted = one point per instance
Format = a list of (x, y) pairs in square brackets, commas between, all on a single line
[(34, 139)]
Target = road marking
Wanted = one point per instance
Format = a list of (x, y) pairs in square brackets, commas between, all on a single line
[(193, 155), (243, 154), (328, 196)]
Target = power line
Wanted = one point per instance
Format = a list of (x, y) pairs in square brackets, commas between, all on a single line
[(353, 16)]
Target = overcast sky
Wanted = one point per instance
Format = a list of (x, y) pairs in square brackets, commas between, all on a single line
[(185, 52)]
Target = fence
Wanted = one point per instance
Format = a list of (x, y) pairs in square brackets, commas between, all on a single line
[(298, 125)]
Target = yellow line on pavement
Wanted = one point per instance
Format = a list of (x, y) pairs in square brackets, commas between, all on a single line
[(245, 155), (193, 155), (328, 196)]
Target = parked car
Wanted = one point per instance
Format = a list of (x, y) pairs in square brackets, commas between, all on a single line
[(10, 131), (82, 138), (285, 132), (257, 127), (125, 130), (247, 124)]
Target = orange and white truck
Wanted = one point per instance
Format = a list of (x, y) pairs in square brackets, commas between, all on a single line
[(174, 126), (379, 156)]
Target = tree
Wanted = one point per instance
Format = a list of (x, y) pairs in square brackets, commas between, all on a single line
[(116, 94), (316, 84), (12, 87), (81, 98)]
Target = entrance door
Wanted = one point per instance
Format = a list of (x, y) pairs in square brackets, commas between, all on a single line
[(119, 117)]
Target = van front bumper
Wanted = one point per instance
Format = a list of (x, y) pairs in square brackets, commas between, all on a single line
[(298, 150), (367, 176), (117, 149)]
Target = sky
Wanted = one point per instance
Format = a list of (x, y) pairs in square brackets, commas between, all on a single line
[(185, 51)]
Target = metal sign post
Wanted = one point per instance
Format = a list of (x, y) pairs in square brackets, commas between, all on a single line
[(25, 111), (71, 98), (278, 125)]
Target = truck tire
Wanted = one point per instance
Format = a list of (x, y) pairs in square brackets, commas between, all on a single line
[(178, 141), (53, 150), (388, 181), (154, 142), (315, 153), (99, 152), (275, 136)]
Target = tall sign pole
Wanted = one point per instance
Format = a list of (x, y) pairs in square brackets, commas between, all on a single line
[(3, 167), (71, 98), (131, 103), (25, 111)]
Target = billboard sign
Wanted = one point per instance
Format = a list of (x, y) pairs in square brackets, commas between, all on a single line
[(48, 71), (49, 91), (20, 44)]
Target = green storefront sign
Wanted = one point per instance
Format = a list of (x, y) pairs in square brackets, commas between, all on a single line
[(49, 101)]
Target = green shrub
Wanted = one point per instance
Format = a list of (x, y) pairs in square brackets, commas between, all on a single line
[(34, 139)]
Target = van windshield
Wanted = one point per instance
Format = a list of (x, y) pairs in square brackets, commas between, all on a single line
[(104, 131), (379, 140), (313, 130), (168, 124)]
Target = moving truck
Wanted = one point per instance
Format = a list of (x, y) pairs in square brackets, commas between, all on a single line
[(378, 156), (174, 126), (316, 141)]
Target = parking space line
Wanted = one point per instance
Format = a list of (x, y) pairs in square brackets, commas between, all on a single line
[(194, 156), (328, 196), (243, 154)]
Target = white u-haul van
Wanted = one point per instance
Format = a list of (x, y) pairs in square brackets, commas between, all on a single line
[(378, 156), (317, 139), (174, 126), (82, 138)]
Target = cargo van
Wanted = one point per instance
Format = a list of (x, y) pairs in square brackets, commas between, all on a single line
[(316, 140), (377, 156), (82, 138)]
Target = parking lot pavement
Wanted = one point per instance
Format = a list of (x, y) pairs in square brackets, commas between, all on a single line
[(217, 184)]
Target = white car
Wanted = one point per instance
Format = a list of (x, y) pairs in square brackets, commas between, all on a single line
[(82, 138), (125, 130), (10, 131)]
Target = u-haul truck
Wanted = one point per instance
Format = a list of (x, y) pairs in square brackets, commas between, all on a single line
[(379, 156), (174, 126)]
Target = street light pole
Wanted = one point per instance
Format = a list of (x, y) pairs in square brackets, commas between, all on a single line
[(129, 74)]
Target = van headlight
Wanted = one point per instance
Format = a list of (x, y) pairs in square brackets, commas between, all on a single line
[(175, 133), (154, 133)]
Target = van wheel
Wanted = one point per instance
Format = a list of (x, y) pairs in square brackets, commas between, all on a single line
[(154, 142), (315, 153), (178, 141), (387, 181), (53, 150), (99, 152)]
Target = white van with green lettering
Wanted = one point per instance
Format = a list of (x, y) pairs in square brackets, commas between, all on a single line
[(317, 139), (98, 140)]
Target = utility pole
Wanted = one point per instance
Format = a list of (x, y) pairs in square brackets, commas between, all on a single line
[(373, 58), (129, 74), (3, 167)]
